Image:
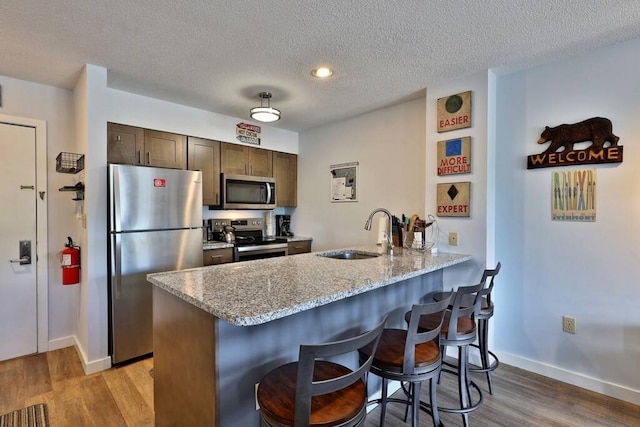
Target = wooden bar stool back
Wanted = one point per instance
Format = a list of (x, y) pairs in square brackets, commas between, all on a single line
[(412, 356), (317, 392)]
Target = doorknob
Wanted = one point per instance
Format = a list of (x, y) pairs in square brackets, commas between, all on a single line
[(25, 253)]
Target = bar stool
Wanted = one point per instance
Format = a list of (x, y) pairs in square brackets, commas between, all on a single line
[(411, 356), (488, 359), (314, 392), (459, 329)]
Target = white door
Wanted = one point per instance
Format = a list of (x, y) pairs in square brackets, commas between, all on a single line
[(18, 285)]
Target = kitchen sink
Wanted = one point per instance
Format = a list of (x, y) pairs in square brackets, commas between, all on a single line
[(350, 254)]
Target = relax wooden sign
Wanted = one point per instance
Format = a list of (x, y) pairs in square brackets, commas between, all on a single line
[(598, 130)]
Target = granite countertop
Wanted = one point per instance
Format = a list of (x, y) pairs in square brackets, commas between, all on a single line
[(297, 238), (216, 245), (255, 292)]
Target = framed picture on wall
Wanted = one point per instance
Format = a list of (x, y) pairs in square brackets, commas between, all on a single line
[(573, 195), (344, 182)]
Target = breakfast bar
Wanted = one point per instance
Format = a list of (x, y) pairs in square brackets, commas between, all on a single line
[(218, 330)]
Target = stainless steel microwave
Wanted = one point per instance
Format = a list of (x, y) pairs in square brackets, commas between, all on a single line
[(247, 192)]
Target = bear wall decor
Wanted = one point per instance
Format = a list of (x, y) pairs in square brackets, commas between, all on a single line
[(598, 130)]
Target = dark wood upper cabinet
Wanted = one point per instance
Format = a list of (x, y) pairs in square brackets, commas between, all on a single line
[(234, 158), (165, 150), (260, 162), (137, 146), (204, 155), (125, 144), (285, 171), (243, 160)]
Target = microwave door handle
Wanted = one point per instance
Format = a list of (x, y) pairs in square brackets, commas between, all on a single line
[(268, 193)]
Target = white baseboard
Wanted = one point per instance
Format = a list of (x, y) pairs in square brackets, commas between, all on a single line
[(91, 367), (609, 389), (59, 343), (88, 367)]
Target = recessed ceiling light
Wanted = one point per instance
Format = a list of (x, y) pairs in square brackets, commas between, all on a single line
[(322, 72)]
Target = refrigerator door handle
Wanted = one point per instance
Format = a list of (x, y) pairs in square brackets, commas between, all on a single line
[(115, 199), (116, 274)]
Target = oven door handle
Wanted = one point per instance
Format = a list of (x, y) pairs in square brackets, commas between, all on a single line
[(261, 247)]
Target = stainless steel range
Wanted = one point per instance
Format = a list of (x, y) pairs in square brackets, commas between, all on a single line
[(250, 242)]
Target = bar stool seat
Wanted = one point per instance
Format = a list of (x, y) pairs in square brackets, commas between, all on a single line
[(318, 392)]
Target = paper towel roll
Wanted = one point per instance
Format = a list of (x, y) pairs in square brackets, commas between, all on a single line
[(383, 229), (269, 224)]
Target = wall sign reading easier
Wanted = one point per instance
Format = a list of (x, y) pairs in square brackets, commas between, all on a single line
[(454, 112)]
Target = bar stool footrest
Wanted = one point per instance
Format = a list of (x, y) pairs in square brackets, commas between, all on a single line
[(425, 406), (491, 368)]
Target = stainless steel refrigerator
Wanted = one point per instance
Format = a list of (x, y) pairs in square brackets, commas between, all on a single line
[(155, 224)]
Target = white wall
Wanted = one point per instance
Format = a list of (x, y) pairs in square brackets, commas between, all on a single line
[(31, 100), (91, 136), (136, 110), (389, 145), (585, 270), (472, 237)]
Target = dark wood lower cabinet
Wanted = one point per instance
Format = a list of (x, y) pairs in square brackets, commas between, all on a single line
[(299, 247), (217, 256)]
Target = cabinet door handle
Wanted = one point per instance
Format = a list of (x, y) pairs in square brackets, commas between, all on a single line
[(139, 160), (298, 247), (148, 158), (215, 259)]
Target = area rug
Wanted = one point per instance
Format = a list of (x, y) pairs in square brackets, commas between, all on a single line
[(31, 416)]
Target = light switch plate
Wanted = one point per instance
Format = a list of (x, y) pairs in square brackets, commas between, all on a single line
[(453, 238)]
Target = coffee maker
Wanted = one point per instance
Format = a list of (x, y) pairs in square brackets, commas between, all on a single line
[(283, 225)]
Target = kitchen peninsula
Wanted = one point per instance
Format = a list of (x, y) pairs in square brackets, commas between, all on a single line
[(219, 329)]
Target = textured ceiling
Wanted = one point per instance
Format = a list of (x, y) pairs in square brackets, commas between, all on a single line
[(218, 54)]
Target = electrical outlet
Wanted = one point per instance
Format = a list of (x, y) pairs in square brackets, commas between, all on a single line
[(255, 391), (569, 324), (453, 238)]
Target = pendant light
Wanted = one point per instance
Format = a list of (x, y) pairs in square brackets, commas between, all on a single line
[(265, 114)]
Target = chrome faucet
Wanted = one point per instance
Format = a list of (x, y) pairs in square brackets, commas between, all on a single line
[(367, 226)]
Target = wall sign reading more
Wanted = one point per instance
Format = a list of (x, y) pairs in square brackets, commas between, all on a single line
[(454, 156)]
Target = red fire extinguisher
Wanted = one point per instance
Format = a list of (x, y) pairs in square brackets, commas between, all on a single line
[(70, 263)]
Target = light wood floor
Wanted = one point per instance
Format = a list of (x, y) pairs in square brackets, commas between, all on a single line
[(116, 397), (124, 397)]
